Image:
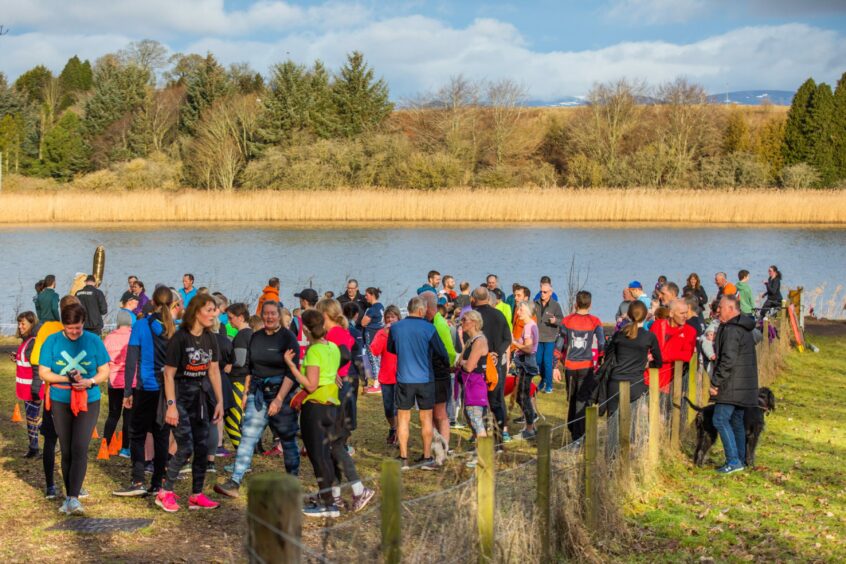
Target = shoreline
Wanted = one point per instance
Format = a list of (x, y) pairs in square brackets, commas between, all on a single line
[(474, 208)]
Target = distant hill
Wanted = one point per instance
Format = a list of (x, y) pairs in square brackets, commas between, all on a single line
[(741, 97), (753, 97)]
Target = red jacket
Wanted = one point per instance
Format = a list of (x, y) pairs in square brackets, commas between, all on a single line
[(677, 343), (388, 364)]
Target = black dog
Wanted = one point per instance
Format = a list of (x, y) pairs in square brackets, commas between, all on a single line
[(706, 433)]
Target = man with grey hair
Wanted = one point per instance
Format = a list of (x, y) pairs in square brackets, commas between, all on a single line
[(734, 383), (496, 331), (416, 343), (442, 369)]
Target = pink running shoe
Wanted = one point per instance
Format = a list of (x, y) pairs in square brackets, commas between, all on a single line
[(167, 501), (373, 390), (200, 501)]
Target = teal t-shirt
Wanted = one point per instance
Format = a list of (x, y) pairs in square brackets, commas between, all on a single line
[(62, 355)]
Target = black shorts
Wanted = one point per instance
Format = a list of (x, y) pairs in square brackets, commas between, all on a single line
[(441, 391), (423, 394)]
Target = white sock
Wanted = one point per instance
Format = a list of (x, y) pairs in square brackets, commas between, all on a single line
[(358, 489)]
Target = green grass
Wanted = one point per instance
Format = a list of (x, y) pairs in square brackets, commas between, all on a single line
[(792, 507)]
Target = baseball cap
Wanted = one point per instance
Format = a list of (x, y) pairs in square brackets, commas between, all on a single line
[(308, 294), (635, 284)]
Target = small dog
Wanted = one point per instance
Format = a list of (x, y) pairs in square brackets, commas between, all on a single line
[(706, 433)]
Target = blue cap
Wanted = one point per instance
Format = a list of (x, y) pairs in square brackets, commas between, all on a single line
[(635, 284)]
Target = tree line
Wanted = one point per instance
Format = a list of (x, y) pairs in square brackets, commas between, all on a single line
[(143, 118)]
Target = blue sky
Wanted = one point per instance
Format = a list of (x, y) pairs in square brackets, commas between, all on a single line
[(553, 48)]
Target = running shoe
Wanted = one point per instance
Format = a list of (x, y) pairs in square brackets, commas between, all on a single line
[(528, 435), (319, 510), (360, 501), (425, 463), (200, 501), (124, 453), (229, 488), (50, 492), (222, 452), (135, 489), (729, 469), (506, 438), (74, 507), (167, 501), (373, 390), (83, 493)]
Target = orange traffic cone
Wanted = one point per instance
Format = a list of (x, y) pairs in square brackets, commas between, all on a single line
[(103, 454), (95, 435), (114, 446), (16, 414)]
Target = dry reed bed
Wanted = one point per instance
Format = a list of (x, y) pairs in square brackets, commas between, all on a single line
[(458, 205)]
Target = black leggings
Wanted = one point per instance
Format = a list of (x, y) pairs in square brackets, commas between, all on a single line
[(74, 436), (317, 422), (115, 408), (48, 455), (191, 435)]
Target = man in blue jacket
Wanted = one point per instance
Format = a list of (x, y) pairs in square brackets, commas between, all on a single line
[(416, 343)]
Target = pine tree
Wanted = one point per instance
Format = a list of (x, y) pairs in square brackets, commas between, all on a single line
[(839, 127), (205, 84), (65, 150), (795, 148), (820, 138), (736, 138), (361, 102)]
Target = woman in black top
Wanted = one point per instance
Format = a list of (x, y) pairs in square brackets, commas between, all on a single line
[(631, 346), (271, 387), (192, 356), (772, 297), (694, 288)]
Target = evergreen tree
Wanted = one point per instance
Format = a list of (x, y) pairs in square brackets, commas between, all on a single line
[(65, 150), (820, 138), (795, 148), (361, 103), (33, 83), (736, 138), (205, 84), (839, 127)]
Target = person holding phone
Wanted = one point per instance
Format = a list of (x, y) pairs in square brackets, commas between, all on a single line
[(74, 363)]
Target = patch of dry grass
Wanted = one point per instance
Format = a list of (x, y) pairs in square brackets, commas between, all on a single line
[(530, 205)]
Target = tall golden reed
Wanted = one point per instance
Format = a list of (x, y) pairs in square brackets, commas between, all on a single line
[(529, 205)]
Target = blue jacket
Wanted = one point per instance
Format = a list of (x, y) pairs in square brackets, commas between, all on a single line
[(145, 354), (415, 342)]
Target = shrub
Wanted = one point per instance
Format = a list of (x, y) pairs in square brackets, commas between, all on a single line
[(800, 175)]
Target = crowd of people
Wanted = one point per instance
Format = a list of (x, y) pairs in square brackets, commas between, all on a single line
[(186, 369)]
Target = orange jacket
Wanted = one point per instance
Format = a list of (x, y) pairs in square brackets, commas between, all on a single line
[(268, 294)]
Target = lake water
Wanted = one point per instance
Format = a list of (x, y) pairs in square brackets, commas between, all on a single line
[(237, 260)]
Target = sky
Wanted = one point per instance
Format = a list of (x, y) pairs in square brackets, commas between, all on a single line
[(552, 48)]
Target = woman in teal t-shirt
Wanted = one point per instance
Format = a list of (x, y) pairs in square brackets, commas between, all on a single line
[(74, 362)]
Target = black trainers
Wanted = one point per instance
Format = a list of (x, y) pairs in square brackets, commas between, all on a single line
[(135, 489), (229, 488)]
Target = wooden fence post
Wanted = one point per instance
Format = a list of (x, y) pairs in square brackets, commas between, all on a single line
[(485, 498), (624, 431), (391, 512), (692, 370), (544, 500), (591, 509), (675, 424), (274, 500), (654, 417)]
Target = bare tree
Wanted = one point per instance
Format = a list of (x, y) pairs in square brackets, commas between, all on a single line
[(505, 98), (686, 124)]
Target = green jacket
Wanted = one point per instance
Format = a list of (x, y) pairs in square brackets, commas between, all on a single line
[(747, 299), (442, 328), (47, 305)]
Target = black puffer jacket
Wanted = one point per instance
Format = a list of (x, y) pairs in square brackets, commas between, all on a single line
[(736, 367)]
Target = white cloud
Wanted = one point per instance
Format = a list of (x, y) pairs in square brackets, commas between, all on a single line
[(656, 11), (417, 53)]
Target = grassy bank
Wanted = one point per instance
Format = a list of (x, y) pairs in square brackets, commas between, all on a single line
[(460, 205), (791, 508)]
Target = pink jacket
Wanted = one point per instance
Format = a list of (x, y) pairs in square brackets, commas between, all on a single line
[(116, 343)]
